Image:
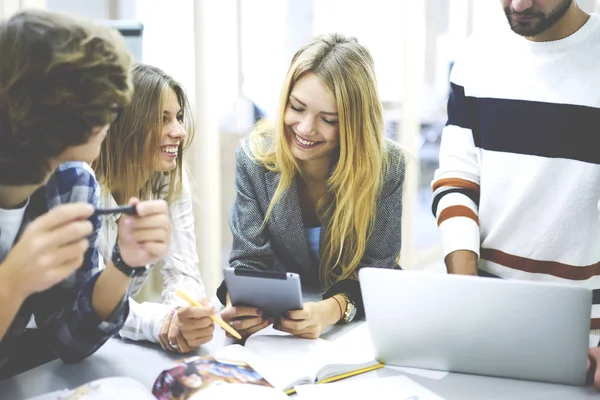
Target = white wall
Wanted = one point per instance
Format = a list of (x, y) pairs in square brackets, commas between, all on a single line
[(377, 25), (263, 51), (94, 9), (9, 7)]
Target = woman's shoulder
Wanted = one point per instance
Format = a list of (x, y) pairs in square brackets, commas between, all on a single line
[(245, 158), (394, 151), (395, 167)]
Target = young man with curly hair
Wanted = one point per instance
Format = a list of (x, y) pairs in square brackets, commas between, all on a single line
[(62, 82)]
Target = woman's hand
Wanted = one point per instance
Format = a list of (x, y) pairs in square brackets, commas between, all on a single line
[(195, 326), (312, 320), (163, 335), (245, 320), (187, 328)]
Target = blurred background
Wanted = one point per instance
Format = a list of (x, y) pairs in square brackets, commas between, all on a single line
[(232, 55)]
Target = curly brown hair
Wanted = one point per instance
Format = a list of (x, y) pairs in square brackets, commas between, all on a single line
[(60, 77)]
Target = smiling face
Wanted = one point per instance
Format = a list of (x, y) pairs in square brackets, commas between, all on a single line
[(171, 136), (311, 120)]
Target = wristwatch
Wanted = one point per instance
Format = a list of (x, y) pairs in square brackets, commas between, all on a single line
[(350, 309), (122, 265)]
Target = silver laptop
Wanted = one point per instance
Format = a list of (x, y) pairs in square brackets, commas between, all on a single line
[(514, 329)]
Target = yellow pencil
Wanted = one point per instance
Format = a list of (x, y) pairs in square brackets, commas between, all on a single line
[(218, 320)]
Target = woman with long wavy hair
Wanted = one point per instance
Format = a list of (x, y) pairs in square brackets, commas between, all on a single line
[(319, 191), (142, 157)]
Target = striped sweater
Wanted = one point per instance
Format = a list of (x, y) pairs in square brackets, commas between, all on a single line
[(519, 175)]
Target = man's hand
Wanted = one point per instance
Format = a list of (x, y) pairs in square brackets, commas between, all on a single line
[(594, 357), (462, 262), (51, 248), (144, 238)]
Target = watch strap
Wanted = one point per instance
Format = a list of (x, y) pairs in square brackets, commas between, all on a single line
[(350, 310), (122, 266)]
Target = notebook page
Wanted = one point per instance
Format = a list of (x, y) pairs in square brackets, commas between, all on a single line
[(392, 388), (304, 357), (360, 340), (280, 375), (239, 391)]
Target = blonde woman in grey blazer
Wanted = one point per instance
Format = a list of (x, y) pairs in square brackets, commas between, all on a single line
[(319, 192)]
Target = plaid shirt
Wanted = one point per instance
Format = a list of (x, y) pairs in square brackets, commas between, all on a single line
[(65, 311)]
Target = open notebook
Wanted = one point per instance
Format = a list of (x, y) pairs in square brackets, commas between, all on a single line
[(286, 361), (270, 363)]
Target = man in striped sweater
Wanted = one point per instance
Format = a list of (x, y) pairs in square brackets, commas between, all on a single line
[(516, 194)]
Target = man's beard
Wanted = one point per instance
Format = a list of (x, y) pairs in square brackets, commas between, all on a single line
[(539, 22)]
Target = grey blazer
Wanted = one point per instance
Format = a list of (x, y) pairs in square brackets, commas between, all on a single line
[(283, 245)]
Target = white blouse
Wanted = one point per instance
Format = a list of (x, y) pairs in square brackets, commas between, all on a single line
[(180, 268)]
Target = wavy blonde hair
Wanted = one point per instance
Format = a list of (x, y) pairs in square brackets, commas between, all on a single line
[(347, 70), (122, 167)]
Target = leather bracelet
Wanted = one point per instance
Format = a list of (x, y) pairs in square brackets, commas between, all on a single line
[(120, 264), (340, 306)]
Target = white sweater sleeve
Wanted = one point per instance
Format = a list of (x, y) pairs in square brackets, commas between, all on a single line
[(456, 181)]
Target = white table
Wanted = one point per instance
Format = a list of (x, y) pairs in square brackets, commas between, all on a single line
[(144, 362)]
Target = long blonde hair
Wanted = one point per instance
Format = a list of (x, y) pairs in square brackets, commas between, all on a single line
[(346, 68), (121, 166)]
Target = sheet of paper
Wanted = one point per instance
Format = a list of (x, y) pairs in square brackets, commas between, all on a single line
[(392, 388), (305, 356), (277, 374), (113, 388), (239, 391), (359, 340)]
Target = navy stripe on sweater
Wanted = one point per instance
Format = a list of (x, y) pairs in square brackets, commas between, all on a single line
[(528, 127)]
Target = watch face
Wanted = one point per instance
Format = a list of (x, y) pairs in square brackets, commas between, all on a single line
[(350, 314)]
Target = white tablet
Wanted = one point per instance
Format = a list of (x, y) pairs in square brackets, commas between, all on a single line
[(273, 292)]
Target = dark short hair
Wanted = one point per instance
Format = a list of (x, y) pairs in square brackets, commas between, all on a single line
[(60, 77)]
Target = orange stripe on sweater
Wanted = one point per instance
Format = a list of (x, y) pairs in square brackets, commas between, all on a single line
[(457, 211), (456, 182), (554, 268)]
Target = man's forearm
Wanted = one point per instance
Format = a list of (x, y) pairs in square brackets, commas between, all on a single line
[(109, 290), (462, 262), (10, 302)]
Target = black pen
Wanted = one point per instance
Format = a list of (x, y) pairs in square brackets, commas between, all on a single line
[(129, 210)]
